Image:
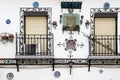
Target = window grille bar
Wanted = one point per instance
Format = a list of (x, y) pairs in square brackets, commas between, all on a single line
[(34, 44)]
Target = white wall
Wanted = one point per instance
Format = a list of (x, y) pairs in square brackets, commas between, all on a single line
[(46, 73), (9, 9)]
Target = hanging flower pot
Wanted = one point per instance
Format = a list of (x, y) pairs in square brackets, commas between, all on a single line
[(4, 37), (11, 37)]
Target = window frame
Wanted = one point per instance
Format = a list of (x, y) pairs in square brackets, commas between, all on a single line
[(35, 12), (101, 12)]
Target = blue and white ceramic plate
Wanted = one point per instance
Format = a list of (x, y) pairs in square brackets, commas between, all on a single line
[(35, 4)]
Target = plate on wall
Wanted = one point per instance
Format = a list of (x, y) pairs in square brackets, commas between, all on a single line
[(10, 76), (106, 5), (8, 21), (57, 74), (35, 4)]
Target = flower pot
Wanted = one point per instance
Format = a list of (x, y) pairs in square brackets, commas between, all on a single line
[(11, 39)]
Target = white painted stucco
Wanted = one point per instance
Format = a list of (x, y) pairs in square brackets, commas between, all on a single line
[(10, 9)]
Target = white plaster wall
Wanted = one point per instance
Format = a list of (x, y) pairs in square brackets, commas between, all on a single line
[(9, 9), (46, 73)]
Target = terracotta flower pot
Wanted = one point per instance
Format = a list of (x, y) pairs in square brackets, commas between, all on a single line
[(11, 39)]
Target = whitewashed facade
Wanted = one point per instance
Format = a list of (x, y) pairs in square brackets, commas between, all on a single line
[(13, 22)]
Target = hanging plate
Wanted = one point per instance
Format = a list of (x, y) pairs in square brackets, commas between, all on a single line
[(57, 74), (106, 5), (8, 21), (71, 44), (35, 4), (10, 76)]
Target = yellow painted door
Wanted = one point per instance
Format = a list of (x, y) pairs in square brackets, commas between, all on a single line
[(105, 31)]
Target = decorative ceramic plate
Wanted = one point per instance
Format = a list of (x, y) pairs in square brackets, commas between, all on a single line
[(57, 74), (106, 5), (8, 21), (10, 76), (35, 4), (71, 44)]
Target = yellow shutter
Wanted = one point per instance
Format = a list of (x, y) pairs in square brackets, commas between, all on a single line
[(104, 26), (36, 25)]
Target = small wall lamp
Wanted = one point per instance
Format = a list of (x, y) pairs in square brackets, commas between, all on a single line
[(60, 18), (81, 21), (54, 23)]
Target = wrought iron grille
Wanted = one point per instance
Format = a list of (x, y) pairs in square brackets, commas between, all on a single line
[(105, 45), (34, 45)]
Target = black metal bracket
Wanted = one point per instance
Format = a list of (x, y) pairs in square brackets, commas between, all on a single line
[(60, 61), (70, 65), (17, 65), (89, 64), (53, 65)]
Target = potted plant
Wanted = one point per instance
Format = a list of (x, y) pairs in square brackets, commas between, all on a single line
[(4, 38), (11, 37)]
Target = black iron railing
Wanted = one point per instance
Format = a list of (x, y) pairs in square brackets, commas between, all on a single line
[(34, 45), (105, 45)]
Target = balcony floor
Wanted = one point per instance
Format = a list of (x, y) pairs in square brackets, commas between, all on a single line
[(33, 57), (104, 57)]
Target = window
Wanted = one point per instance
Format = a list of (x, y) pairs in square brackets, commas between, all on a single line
[(105, 34), (35, 30)]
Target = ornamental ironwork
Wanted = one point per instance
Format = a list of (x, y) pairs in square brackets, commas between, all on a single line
[(59, 61), (22, 23), (94, 12)]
